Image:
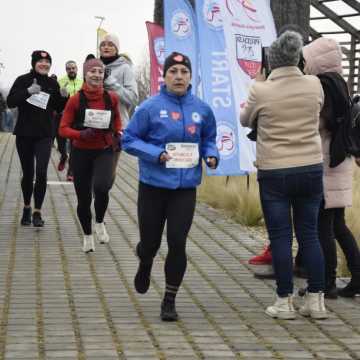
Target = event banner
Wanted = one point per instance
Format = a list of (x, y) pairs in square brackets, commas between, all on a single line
[(248, 26), (217, 86), (181, 33), (157, 56)]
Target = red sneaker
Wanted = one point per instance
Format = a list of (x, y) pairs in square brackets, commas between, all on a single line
[(70, 178), (264, 258)]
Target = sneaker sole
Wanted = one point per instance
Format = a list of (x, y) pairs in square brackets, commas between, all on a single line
[(281, 316), (313, 315)]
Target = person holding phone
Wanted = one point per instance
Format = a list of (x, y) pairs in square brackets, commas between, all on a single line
[(170, 133)]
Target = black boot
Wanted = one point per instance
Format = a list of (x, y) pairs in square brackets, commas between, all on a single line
[(37, 220), (142, 277), (168, 311), (331, 291), (26, 217), (351, 289)]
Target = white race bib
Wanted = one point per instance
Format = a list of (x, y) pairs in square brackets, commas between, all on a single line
[(39, 100), (183, 155), (97, 119)]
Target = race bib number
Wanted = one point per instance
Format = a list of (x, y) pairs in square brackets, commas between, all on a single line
[(39, 100), (183, 155), (97, 119)]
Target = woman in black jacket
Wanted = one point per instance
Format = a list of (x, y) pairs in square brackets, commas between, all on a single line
[(36, 95)]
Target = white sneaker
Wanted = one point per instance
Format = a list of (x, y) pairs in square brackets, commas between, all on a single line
[(88, 244), (101, 233), (314, 306), (282, 309)]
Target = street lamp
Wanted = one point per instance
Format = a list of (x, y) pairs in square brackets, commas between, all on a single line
[(101, 18)]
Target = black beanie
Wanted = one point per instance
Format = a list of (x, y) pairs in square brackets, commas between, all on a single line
[(176, 58), (38, 55)]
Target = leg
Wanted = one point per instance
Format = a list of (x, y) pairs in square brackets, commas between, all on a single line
[(70, 173), (276, 207), (26, 150), (42, 156), (151, 215), (328, 245), (83, 167), (306, 204), (102, 182), (347, 243)]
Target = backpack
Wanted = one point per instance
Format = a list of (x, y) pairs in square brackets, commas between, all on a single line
[(78, 123), (342, 116)]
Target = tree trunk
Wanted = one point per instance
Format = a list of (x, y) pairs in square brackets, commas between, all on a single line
[(292, 12)]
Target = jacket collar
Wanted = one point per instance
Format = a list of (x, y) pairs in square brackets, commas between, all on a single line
[(176, 98), (285, 71)]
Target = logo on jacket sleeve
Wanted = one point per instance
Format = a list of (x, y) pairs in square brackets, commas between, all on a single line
[(191, 129), (196, 117), (164, 114), (175, 115)]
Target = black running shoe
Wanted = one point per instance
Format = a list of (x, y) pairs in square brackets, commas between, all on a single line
[(142, 278), (37, 220), (168, 311), (26, 217)]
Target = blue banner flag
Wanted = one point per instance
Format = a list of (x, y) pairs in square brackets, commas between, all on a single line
[(217, 86), (181, 33)]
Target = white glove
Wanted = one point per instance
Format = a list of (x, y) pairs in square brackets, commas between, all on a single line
[(63, 92), (34, 88)]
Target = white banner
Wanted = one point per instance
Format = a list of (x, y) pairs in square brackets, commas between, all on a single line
[(248, 25)]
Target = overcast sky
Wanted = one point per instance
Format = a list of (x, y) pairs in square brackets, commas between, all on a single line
[(67, 30)]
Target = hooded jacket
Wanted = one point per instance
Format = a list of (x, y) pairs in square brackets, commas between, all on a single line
[(121, 79), (167, 118), (324, 55)]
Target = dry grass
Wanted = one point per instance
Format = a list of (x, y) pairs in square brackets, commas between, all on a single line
[(232, 196), (244, 205)]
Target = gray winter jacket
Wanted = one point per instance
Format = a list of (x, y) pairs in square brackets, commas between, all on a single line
[(122, 81)]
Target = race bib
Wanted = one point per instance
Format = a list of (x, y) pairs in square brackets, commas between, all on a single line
[(183, 155), (97, 119), (39, 100)]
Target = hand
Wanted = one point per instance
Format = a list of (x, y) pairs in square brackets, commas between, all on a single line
[(88, 134), (34, 88), (164, 156), (63, 92), (260, 75), (211, 162), (357, 161), (117, 142)]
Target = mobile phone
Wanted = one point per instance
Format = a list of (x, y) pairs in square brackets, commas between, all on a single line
[(265, 67)]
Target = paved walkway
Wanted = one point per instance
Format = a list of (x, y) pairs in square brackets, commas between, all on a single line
[(57, 303)]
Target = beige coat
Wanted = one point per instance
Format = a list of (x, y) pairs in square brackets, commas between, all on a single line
[(287, 107), (324, 55)]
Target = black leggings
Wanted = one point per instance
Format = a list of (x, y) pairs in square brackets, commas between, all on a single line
[(93, 173), (33, 150), (176, 207), (332, 226)]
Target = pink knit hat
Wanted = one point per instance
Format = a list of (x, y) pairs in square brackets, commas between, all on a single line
[(88, 65), (322, 55)]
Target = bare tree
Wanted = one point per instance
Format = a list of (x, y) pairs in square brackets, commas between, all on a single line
[(284, 12), (142, 76)]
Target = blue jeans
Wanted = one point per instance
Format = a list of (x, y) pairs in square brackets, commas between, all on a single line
[(293, 196)]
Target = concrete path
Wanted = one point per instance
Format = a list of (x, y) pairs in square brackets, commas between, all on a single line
[(57, 303)]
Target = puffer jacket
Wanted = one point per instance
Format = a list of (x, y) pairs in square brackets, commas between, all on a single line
[(121, 80), (168, 118), (324, 55)]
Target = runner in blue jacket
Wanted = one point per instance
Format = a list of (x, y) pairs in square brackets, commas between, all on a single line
[(170, 133)]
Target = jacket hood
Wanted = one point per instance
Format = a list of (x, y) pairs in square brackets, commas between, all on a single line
[(121, 60), (322, 55)]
